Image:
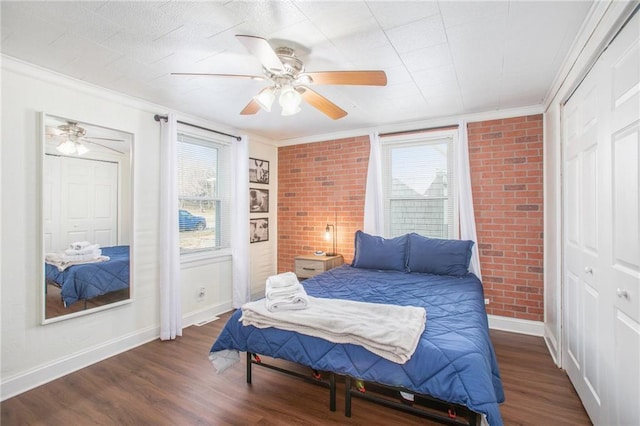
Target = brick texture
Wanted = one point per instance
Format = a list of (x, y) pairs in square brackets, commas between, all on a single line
[(315, 180), (506, 179)]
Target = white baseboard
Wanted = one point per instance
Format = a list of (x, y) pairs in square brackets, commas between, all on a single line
[(552, 346), (45, 373), (515, 325)]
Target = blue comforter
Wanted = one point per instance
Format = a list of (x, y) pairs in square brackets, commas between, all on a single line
[(454, 361), (81, 282)]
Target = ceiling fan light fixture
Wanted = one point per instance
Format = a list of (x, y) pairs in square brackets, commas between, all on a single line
[(67, 147), (290, 100), (265, 98), (81, 149), (71, 147)]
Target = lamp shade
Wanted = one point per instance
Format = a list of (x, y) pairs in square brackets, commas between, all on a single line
[(265, 98), (289, 100), (67, 147), (81, 149)]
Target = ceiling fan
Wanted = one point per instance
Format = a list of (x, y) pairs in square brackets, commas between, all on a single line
[(72, 139), (288, 78)]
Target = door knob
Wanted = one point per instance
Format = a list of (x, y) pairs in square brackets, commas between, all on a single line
[(622, 293), (588, 270)]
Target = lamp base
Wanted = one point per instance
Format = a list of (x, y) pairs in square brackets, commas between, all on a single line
[(331, 254)]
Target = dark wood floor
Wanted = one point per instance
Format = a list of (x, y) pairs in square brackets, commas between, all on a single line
[(173, 383)]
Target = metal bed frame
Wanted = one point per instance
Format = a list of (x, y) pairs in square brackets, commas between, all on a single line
[(434, 409), (254, 359)]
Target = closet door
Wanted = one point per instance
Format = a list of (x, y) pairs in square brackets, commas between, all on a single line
[(623, 74), (601, 237), (582, 278)]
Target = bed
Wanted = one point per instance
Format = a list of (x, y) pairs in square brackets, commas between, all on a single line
[(454, 361), (86, 281)]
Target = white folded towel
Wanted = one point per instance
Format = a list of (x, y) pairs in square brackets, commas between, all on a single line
[(78, 245), (61, 263), (299, 300), (88, 249), (94, 254), (282, 292), (286, 279)]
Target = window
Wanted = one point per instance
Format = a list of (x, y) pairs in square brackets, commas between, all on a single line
[(203, 192), (419, 184)]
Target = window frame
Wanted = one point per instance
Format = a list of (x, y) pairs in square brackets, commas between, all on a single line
[(197, 257), (421, 139)]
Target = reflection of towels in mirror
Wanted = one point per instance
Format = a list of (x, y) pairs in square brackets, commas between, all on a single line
[(85, 250), (62, 262), (79, 245)]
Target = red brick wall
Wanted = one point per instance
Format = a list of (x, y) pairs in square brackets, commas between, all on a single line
[(316, 181), (506, 179), (506, 173)]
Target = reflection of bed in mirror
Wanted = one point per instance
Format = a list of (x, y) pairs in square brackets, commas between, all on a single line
[(86, 197), (81, 282)]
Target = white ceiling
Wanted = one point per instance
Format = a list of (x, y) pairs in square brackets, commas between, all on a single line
[(442, 58)]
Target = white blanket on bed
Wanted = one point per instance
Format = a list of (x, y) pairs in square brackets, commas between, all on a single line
[(389, 331)]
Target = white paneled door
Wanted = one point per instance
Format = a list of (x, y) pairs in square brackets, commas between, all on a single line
[(623, 78), (84, 202), (601, 241), (582, 251)]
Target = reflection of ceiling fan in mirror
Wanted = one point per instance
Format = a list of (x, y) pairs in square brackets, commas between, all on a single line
[(288, 78), (73, 139)]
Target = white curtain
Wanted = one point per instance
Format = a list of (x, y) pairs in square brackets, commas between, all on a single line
[(240, 222), (373, 203), (170, 288), (465, 197)]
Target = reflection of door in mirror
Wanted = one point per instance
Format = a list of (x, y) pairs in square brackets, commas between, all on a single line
[(86, 213)]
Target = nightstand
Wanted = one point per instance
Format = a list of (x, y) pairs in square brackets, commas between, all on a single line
[(309, 265)]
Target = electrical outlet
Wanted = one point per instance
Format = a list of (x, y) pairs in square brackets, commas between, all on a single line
[(202, 292), (486, 301)]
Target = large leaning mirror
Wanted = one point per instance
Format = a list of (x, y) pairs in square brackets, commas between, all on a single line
[(86, 217)]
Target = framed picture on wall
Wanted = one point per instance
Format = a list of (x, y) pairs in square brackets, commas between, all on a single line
[(258, 200), (258, 230), (258, 171)]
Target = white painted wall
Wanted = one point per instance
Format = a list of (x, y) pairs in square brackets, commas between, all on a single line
[(31, 353)]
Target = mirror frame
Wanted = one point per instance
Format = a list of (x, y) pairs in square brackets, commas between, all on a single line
[(41, 152)]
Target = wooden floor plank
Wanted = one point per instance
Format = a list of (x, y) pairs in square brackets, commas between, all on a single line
[(173, 383)]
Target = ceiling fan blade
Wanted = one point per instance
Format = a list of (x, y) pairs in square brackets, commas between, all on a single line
[(355, 78), (102, 139), (191, 74), (323, 104), (103, 146), (261, 49), (251, 108)]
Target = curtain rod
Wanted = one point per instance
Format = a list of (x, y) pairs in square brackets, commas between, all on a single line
[(158, 117), (405, 132)]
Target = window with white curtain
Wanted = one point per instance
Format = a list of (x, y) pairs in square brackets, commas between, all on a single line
[(419, 185), (204, 182)]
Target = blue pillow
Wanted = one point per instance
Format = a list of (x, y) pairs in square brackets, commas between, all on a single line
[(436, 256), (373, 252)]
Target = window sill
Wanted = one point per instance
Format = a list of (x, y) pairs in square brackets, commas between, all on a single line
[(193, 260)]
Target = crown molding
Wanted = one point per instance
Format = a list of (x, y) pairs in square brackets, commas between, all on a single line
[(421, 124), (18, 66)]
